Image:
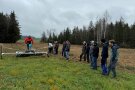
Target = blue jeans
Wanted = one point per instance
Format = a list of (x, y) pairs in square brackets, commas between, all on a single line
[(90, 59), (67, 55), (94, 62), (112, 67), (29, 46), (103, 65), (63, 53)]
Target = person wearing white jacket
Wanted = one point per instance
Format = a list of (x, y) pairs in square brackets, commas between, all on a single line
[(50, 47)]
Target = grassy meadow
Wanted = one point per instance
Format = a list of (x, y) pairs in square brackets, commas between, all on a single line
[(55, 73)]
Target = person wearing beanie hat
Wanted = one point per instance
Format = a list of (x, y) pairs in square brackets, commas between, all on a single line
[(104, 56)]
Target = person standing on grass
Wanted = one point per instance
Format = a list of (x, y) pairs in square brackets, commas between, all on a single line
[(95, 56), (104, 56), (91, 52), (87, 51), (50, 47), (67, 50), (63, 49), (84, 48), (29, 42), (114, 58), (56, 47)]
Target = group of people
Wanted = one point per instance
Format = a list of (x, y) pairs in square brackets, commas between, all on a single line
[(90, 52), (53, 47)]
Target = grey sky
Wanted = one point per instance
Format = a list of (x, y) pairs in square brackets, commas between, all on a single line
[(36, 16)]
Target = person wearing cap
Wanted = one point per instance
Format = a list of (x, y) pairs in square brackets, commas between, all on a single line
[(104, 56), (29, 42), (95, 56), (114, 58), (84, 48)]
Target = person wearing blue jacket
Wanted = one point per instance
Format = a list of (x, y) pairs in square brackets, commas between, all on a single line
[(114, 58), (104, 56)]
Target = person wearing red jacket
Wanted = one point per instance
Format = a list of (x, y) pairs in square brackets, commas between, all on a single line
[(29, 41)]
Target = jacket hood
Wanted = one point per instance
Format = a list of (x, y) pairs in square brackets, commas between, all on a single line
[(115, 46), (106, 44)]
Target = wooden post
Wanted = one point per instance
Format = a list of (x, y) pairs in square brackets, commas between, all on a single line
[(1, 51)]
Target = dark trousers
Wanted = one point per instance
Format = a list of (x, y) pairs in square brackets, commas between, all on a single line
[(55, 50), (104, 65), (83, 54), (63, 53), (90, 59), (112, 67), (94, 62), (67, 55), (87, 56), (50, 50), (29, 46)]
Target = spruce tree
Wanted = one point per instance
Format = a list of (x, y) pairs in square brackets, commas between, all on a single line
[(13, 30)]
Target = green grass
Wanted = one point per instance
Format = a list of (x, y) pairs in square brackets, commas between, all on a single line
[(42, 73)]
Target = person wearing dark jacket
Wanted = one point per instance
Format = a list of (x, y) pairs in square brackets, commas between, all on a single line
[(56, 47), (95, 56), (67, 49), (114, 58), (87, 51), (84, 47), (63, 49), (104, 56)]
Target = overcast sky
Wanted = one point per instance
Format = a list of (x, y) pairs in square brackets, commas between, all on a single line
[(36, 16)]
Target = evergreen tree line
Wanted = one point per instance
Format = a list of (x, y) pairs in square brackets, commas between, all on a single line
[(9, 28), (119, 31)]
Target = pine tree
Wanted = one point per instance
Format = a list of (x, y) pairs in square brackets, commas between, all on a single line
[(13, 30), (3, 28), (54, 37)]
